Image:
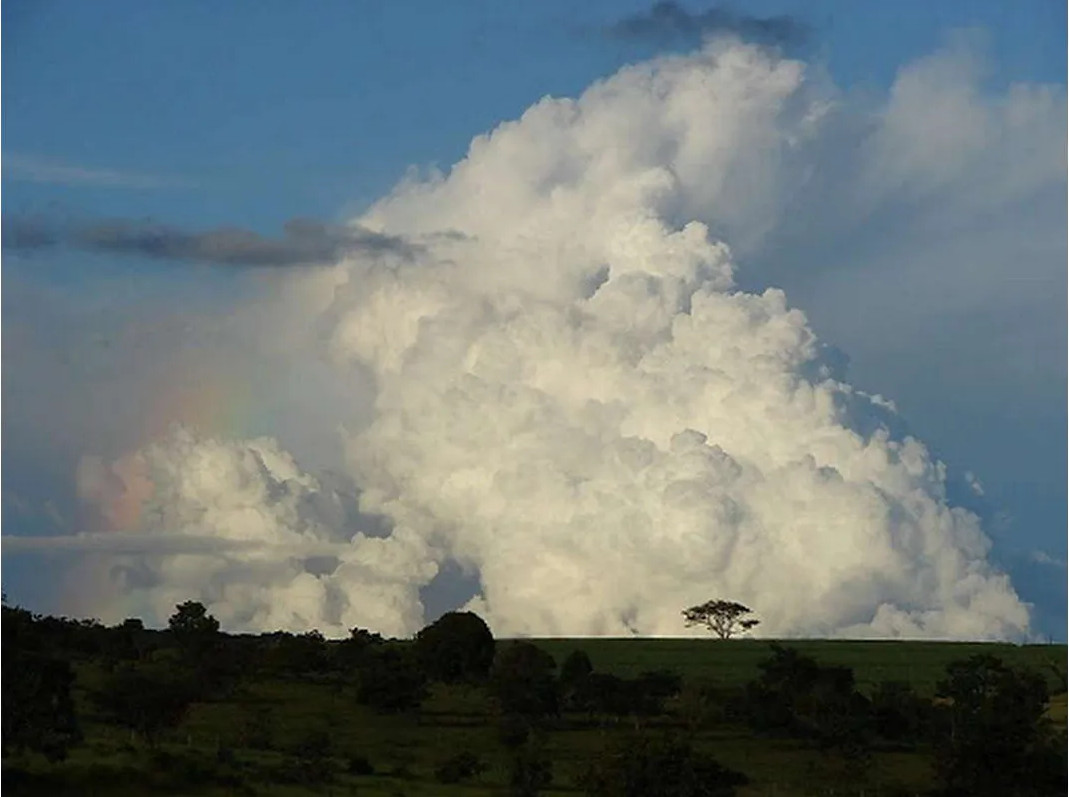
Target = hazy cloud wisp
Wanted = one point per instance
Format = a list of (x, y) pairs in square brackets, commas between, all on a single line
[(35, 169)]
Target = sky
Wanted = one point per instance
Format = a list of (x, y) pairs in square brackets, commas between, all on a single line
[(328, 318)]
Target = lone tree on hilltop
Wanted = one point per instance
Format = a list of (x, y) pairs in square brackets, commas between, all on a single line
[(456, 647), (723, 618)]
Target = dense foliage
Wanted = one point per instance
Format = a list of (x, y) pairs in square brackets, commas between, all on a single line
[(190, 710), (994, 738), (456, 647), (658, 766)]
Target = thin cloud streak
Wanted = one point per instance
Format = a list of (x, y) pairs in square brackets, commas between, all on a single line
[(124, 543), (33, 169)]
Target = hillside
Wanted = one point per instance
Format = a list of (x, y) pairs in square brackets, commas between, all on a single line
[(286, 715)]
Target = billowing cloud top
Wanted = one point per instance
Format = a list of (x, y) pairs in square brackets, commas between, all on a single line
[(573, 399)]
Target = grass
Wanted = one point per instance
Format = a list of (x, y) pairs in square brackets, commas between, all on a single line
[(734, 662), (262, 725)]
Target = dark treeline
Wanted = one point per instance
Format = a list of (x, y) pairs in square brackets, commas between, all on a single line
[(986, 731)]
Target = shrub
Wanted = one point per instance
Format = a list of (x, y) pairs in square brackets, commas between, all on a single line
[(354, 652), (576, 669), (799, 697), (573, 677), (147, 700), (359, 765), (390, 681), (529, 772), (258, 728), (899, 714), (643, 766), (522, 681), (993, 737), (312, 763), (603, 693), (38, 712), (649, 691), (459, 767), (513, 730), (300, 654)]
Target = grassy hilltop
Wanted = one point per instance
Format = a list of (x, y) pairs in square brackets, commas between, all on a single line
[(733, 662), (300, 715)]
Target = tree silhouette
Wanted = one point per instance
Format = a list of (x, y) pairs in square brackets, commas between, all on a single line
[(574, 674), (723, 618), (522, 681), (456, 647), (38, 712), (147, 700), (995, 738), (193, 629)]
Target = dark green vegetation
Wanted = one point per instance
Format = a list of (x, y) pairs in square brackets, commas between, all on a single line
[(189, 710)]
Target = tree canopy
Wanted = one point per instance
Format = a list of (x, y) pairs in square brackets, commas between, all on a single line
[(456, 647), (723, 618)]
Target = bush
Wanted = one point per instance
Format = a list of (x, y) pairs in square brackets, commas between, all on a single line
[(390, 681), (359, 765), (651, 689), (573, 677), (799, 697), (705, 705), (522, 681), (258, 728), (147, 700), (315, 744), (993, 737), (38, 712), (529, 772), (899, 714), (456, 647), (603, 693), (459, 767), (576, 669), (513, 730), (313, 763), (299, 654), (641, 766), (194, 770), (225, 755), (354, 652)]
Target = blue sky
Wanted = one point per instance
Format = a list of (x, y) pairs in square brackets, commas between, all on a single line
[(283, 112), (205, 115)]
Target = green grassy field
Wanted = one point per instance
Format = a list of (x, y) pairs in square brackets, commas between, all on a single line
[(251, 737), (734, 662)]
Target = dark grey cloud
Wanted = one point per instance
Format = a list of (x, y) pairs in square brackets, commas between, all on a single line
[(303, 242), (669, 21)]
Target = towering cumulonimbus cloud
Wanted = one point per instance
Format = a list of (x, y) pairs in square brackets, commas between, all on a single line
[(574, 400)]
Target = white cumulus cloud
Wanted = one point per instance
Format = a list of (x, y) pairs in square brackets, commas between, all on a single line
[(574, 399), (267, 546)]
